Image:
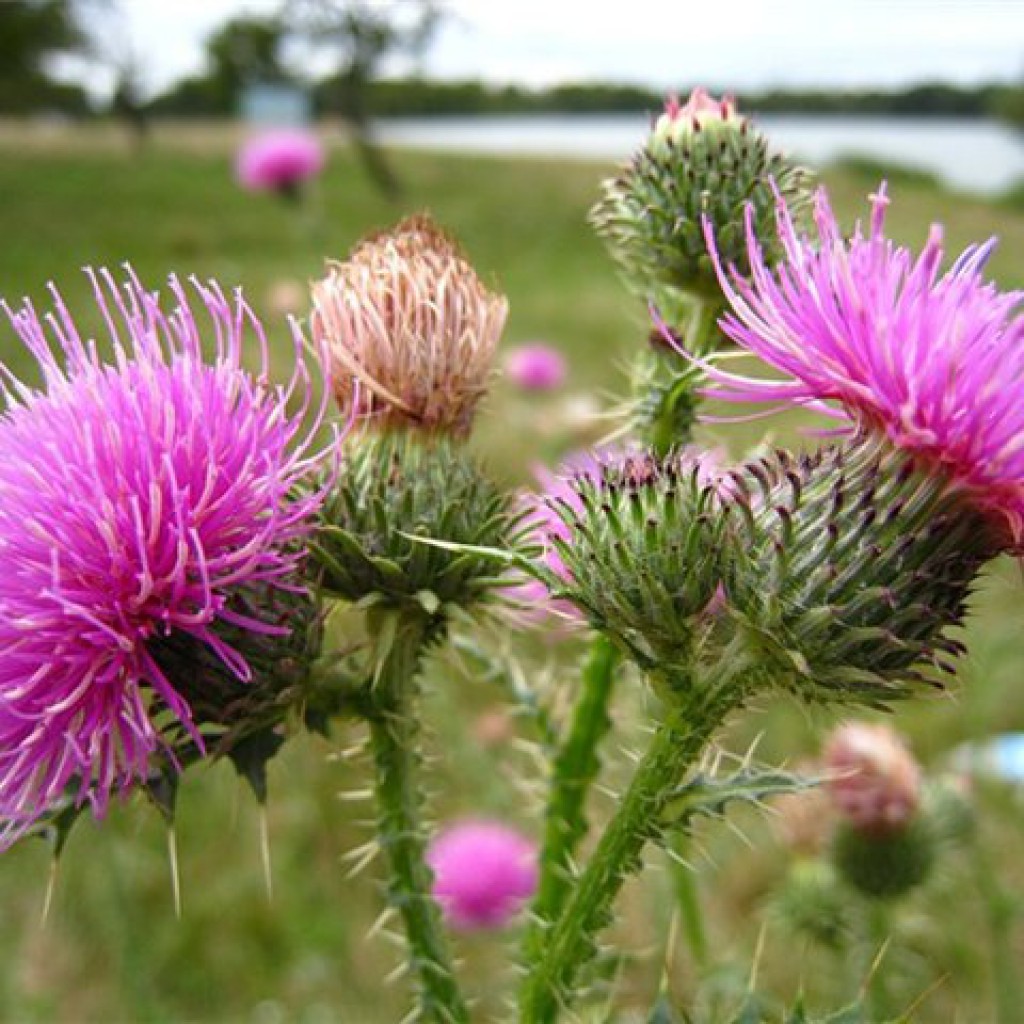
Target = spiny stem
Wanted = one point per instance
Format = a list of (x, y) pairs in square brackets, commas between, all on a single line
[(675, 747), (575, 768), (393, 740), (672, 424)]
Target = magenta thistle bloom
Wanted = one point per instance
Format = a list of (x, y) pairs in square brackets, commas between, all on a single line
[(138, 494), (934, 361), (483, 873), (279, 161), (536, 367)]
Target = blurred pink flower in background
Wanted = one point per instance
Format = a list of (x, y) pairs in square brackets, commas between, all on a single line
[(529, 593), (875, 782), (536, 367), (483, 873), (279, 161)]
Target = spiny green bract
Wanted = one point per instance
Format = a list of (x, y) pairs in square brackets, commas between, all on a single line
[(850, 569), (650, 214), (395, 489), (886, 865), (642, 560), (244, 719)]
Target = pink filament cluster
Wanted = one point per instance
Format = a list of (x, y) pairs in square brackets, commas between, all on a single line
[(138, 492), (874, 781), (933, 360), (699, 108), (483, 873), (279, 160)]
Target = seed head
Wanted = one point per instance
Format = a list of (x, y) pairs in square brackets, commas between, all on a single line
[(407, 318)]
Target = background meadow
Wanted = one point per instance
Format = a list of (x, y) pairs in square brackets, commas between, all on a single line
[(112, 948)]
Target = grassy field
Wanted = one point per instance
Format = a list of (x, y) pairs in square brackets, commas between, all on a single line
[(112, 949)]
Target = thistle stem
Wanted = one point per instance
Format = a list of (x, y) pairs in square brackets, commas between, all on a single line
[(673, 422), (676, 745), (575, 767), (879, 935), (393, 739)]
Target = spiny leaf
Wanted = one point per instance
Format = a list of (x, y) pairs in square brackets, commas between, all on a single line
[(710, 796)]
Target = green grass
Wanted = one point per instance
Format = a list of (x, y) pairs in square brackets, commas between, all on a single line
[(112, 948)]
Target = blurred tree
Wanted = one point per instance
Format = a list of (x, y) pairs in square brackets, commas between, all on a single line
[(1008, 104), (32, 32), (360, 35), (108, 43), (243, 50)]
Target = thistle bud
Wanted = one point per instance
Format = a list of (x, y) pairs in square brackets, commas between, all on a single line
[(702, 159), (885, 866), (851, 568), (874, 781), (639, 553), (411, 330), (396, 490)]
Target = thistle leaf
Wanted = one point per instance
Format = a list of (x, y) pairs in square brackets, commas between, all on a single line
[(703, 795)]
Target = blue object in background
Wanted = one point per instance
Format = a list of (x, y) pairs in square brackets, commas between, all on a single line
[(275, 105), (998, 757)]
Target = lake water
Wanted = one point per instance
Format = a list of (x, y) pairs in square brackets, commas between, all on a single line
[(968, 154)]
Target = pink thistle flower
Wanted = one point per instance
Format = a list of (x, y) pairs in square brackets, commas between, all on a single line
[(139, 495), (933, 361), (875, 783), (483, 873), (536, 367), (279, 161)]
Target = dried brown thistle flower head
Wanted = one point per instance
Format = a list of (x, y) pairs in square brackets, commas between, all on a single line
[(409, 320)]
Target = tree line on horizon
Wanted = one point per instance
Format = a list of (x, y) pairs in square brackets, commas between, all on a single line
[(250, 49)]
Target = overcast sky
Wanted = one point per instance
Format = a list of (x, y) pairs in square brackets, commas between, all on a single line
[(726, 43)]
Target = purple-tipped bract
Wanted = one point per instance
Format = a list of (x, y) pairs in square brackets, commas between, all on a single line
[(934, 361), (138, 493)]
